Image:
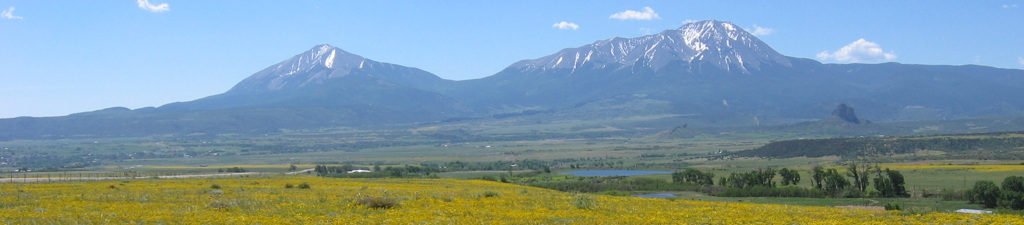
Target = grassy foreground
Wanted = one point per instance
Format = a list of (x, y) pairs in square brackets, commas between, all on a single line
[(266, 200)]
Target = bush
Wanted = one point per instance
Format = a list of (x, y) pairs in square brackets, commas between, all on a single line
[(444, 197), (289, 185), (1012, 195), (763, 191), (304, 185), (614, 193), (220, 205), (215, 186), (712, 189), (378, 202), (853, 193), (1011, 199), (235, 170), (490, 193), (893, 206), (952, 195), (985, 193), (584, 202)]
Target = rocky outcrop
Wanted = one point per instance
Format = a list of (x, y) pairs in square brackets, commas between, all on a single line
[(844, 113)]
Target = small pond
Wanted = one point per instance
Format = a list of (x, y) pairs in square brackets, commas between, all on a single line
[(606, 173), (659, 195)]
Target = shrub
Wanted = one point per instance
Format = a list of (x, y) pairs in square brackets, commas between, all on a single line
[(378, 202), (444, 197), (712, 189), (1011, 199), (220, 205), (763, 191), (289, 185), (490, 193), (952, 195), (584, 202), (985, 193), (1012, 195), (893, 206), (215, 186), (304, 185), (614, 193), (853, 193)]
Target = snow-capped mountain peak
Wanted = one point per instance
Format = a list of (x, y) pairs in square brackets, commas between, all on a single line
[(718, 43), (324, 64), (320, 55), (320, 63)]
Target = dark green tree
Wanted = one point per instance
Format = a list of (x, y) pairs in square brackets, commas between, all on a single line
[(693, 176), (899, 185), (834, 183), (859, 174), (817, 176), (760, 177), (1012, 194), (890, 184), (789, 176), (985, 193)]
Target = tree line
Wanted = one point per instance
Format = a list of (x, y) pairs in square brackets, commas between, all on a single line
[(825, 182), (1010, 196)]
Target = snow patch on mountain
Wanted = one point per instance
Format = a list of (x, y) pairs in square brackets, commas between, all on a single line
[(719, 43), (329, 62), (315, 66)]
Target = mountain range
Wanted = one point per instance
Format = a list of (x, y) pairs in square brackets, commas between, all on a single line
[(707, 73)]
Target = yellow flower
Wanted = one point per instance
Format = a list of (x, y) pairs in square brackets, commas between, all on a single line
[(264, 200)]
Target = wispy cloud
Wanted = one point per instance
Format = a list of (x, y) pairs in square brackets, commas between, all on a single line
[(858, 51), (564, 25), (1007, 6), (647, 14), (1020, 60), (162, 7), (762, 31), (9, 14)]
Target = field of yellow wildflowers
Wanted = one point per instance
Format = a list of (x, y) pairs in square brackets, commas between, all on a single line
[(266, 200)]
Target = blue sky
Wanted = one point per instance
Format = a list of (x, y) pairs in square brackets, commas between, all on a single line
[(61, 57)]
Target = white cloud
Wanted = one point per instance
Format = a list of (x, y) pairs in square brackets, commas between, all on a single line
[(1007, 6), (762, 31), (162, 7), (1020, 60), (858, 51), (689, 21), (9, 14), (647, 14), (566, 25)]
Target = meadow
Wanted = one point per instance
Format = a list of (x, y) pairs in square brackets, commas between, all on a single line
[(131, 192), (267, 200)]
